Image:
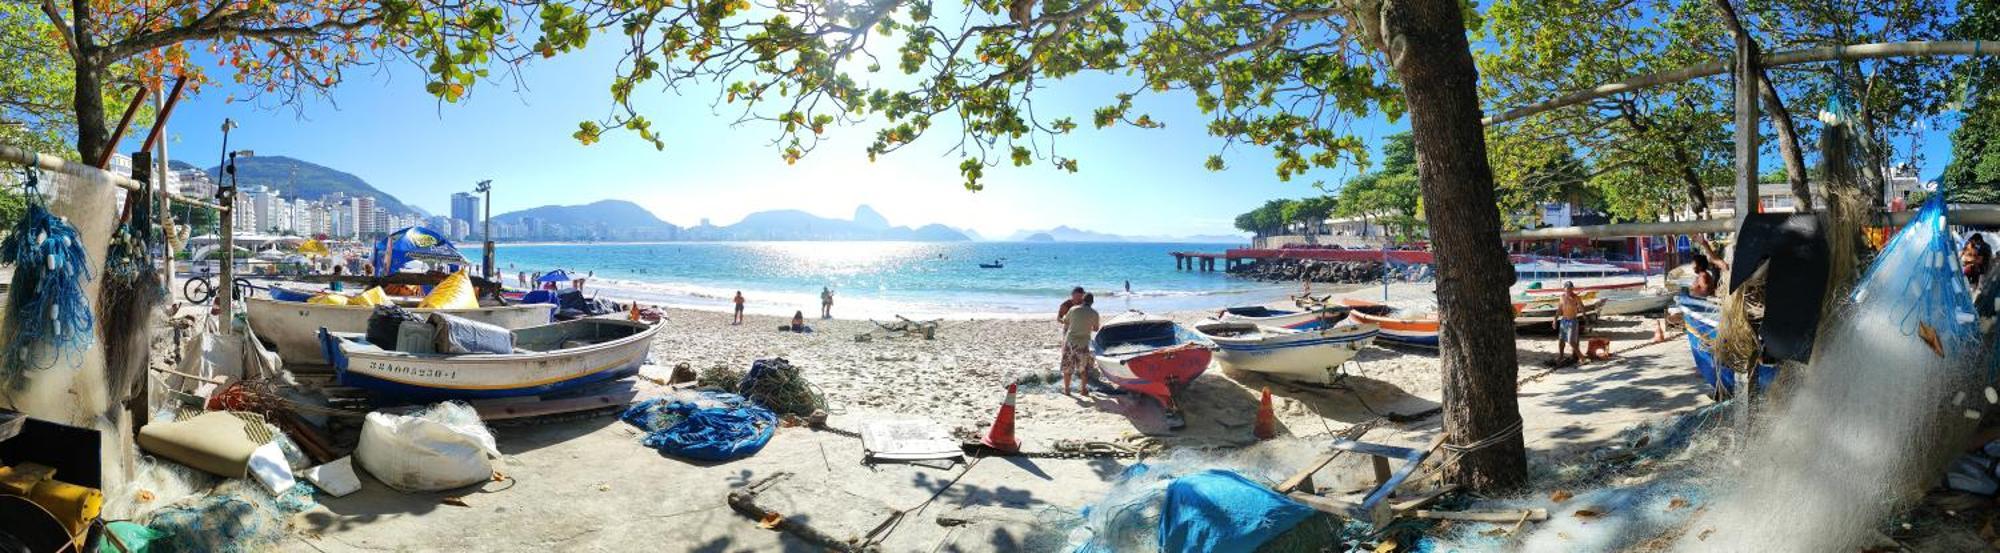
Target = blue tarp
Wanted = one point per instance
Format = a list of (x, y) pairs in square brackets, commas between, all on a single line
[(717, 427), (1223, 512), (416, 244)]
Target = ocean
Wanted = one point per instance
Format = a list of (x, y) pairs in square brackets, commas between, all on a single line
[(883, 279)]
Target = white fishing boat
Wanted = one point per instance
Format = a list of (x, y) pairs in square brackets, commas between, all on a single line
[(1636, 302), (1312, 356), (294, 326), (547, 358)]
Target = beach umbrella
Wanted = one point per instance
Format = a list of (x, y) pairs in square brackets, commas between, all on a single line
[(556, 276), (413, 243), (312, 247)]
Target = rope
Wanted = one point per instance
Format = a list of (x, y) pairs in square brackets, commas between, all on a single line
[(46, 302), (781, 388)]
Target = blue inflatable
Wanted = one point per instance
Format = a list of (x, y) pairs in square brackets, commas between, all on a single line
[(728, 428)]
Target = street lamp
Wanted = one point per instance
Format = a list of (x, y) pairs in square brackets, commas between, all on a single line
[(486, 187)]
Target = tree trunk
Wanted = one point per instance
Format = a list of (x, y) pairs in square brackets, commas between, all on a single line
[(93, 138), (1431, 57)]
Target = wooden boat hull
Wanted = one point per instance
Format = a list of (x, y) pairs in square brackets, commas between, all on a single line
[(472, 376), (1312, 356), (1422, 333), (1295, 320), (1636, 303), (294, 326), (1606, 287), (1153, 357), (1701, 317), (1543, 312)]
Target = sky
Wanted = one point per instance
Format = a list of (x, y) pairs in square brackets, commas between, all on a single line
[(380, 125)]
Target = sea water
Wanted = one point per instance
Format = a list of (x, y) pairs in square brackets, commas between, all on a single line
[(882, 279)]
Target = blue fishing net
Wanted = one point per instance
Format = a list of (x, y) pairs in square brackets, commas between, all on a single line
[(715, 427), (1918, 274), (236, 516), (46, 306)]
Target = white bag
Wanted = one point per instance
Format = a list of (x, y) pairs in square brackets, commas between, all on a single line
[(441, 448)]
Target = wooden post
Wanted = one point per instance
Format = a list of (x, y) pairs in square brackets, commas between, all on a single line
[(226, 289), (1746, 130)]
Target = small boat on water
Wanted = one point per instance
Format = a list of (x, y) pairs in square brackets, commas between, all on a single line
[(1702, 318), (996, 264), (547, 358), (1312, 356), (1395, 328), (1151, 356), (293, 326), (1303, 319)]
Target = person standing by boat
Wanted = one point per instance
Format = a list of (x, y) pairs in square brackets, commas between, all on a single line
[(1078, 323), (825, 302), (1569, 330), (1705, 278), (739, 308), (1075, 297)]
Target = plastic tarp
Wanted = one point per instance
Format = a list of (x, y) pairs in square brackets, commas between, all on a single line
[(557, 276), (715, 426), (1221, 511), (441, 448), (459, 335), (455, 292), (415, 244)]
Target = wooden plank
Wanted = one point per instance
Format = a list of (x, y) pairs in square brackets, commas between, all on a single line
[(514, 410), (1304, 477), (1382, 473), (1410, 463), (1421, 500), (1512, 516), (1377, 515)]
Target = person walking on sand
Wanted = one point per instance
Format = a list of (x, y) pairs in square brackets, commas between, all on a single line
[(1078, 323), (739, 309), (1568, 329), (1075, 297), (825, 302)]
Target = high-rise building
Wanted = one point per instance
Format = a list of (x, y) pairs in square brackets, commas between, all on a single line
[(460, 229), (365, 220), (465, 206)]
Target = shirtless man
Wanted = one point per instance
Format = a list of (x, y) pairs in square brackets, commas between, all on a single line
[(1569, 331)]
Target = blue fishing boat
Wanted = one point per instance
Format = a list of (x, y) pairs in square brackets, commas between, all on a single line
[(1304, 319), (1703, 318)]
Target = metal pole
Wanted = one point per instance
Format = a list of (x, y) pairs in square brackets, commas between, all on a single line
[(226, 290), (486, 187)]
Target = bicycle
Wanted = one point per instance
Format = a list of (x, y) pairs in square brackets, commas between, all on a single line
[(201, 289)]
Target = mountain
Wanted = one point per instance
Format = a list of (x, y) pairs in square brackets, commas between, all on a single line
[(867, 217), (296, 178), (1067, 234), (792, 224), (619, 214), (969, 233)]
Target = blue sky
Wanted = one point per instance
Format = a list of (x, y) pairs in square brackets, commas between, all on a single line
[(381, 126)]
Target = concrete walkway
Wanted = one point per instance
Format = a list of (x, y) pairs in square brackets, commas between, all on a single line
[(588, 486)]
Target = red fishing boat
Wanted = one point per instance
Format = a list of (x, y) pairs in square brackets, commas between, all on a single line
[(1153, 357)]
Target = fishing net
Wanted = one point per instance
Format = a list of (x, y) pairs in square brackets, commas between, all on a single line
[(777, 385), (49, 315), (1615, 499), (236, 515), (1128, 518), (1894, 377)]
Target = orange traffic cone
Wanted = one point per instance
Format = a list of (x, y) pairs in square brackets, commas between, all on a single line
[(1267, 421), (1001, 436)]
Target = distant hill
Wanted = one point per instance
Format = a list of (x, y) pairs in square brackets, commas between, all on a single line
[(792, 224), (1068, 234), (296, 178), (611, 213)]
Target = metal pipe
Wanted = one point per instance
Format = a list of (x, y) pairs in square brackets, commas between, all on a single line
[(53, 164), (1936, 48)]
